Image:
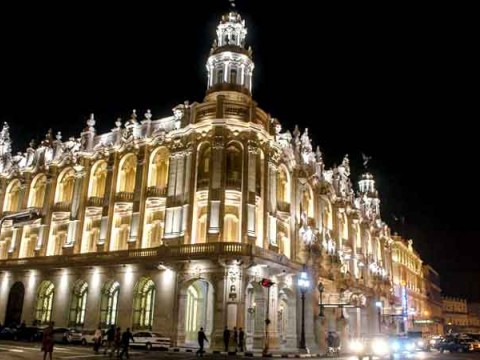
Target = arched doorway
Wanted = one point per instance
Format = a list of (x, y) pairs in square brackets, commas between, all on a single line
[(13, 315), (196, 310), (286, 319), (255, 308)]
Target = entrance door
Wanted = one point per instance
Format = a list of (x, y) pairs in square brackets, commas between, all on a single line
[(13, 315)]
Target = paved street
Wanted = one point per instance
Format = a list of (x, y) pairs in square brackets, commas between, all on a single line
[(10, 350)]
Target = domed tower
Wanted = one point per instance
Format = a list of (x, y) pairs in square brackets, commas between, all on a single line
[(230, 65), (369, 201)]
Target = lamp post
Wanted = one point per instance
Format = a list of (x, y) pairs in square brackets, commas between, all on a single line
[(267, 283), (378, 304), (303, 285), (320, 288)]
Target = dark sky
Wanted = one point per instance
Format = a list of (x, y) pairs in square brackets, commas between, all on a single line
[(396, 83)]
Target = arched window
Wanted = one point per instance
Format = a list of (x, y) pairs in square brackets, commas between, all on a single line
[(44, 302), (220, 76), (126, 175), (203, 177), (143, 304), (192, 315), (109, 303), (37, 191), (234, 167), (12, 196), (78, 305), (233, 76), (98, 178), (66, 181), (158, 175)]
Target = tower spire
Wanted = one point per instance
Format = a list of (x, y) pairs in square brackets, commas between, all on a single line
[(230, 65)]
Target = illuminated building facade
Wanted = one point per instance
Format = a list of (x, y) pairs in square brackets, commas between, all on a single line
[(433, 315), (409, 310), (170, 223)]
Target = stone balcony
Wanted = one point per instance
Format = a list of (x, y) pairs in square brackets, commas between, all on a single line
[(63, 206), (155, 255), (123, 196), (95, 201), (156, 191)]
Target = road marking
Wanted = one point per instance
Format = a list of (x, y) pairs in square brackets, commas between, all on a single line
[(12, 350)]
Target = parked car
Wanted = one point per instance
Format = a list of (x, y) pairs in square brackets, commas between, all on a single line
[(66, 335), (29, 333), (150, 340), (7, 333), (87, 337), (455, 344)]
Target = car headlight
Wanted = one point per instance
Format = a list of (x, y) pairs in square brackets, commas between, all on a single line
[(432, 342), (410, 346), (396, 346), (420, 343), (380, 347), (356, 346)]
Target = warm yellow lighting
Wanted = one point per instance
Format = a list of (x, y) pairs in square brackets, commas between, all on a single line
[(426, 313)]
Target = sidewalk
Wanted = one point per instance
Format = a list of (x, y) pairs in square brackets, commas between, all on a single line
[(273, 354)]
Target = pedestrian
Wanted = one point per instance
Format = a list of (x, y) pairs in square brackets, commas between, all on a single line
[(226, 338), (241, 339), (235, 338), (97, 340), (110, 338), (201, 338), (47, 341), (125, 343), (118, 340)]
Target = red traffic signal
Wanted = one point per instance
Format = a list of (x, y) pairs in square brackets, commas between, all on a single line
[(266, 283)]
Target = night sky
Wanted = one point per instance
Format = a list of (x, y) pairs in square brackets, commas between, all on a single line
[(395, 83)]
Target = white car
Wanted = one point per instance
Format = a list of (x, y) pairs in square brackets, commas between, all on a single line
[(87, 337), (150, 340)]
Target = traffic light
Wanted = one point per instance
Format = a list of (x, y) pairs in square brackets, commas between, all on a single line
[(266, 283)]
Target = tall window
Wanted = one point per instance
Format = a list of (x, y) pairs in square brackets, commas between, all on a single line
[(66, 181), (44, 303), (203, 176), (233, 76), (192, 315), (109, 303), (234, 167), (12, 197), (220, 76), (231, 228), (37, 191), (143, 304), (78, 303), (98, 180), (159, 169), (126, 176)]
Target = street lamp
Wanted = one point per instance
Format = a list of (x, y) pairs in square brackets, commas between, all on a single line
[(378, 304), (320, 288), (303, 285)]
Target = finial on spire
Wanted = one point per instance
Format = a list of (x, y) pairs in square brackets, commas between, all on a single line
[(318, 154), (148, 115), (118, 123), (133, 117), (59, 136), (91, 122)]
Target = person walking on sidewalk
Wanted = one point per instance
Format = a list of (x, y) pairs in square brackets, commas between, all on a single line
[(110, 338), (226, 338), (126, 337), (241, 339), (97, 339), (47, 341), (201, 338), (235, 338)]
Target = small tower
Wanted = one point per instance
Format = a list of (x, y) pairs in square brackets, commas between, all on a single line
[(230, 65), (370, 203)]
